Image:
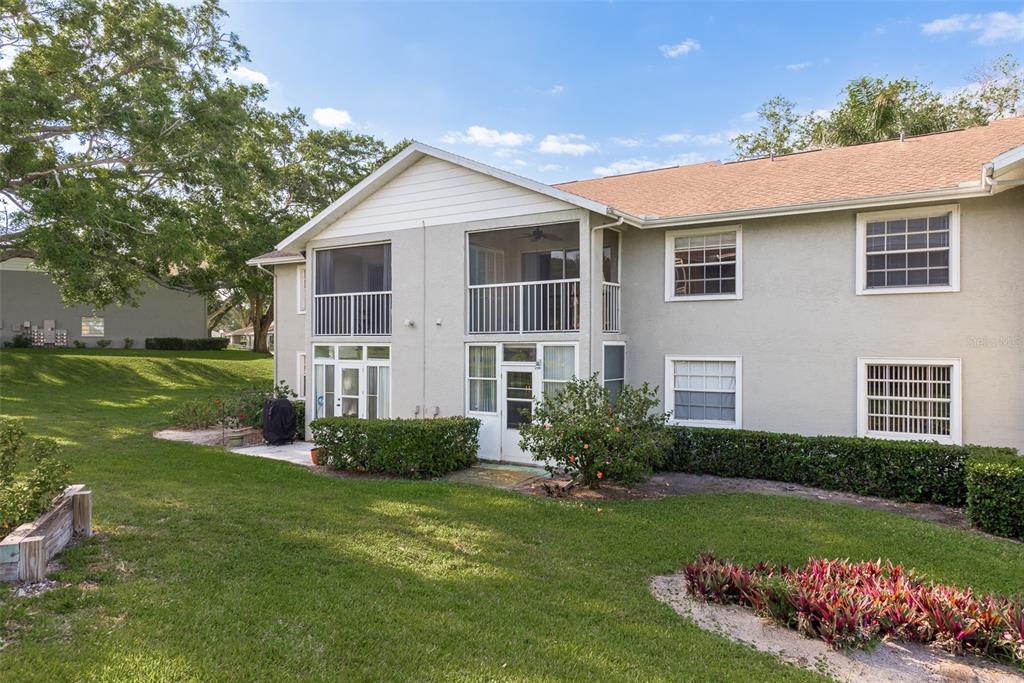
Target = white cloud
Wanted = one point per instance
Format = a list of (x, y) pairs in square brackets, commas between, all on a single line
[(6, 60), (628, 142), (486, 137), (550, 168), (572, 144), (246, 75), (638, 164), (799, 66), (625, 166), (679, 49), (992, 27), (698, 139), (329, 117), (520, 163), (556, 90)]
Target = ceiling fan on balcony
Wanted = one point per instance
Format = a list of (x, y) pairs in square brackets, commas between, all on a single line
[(536, 235)]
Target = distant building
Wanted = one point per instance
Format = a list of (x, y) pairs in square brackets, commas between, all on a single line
[(30, 305)]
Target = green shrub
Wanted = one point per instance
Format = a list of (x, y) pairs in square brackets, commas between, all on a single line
[(241, 408), (410, 448), (23, 496), (179, 344), (300, 419), (78, 344), (580, 431), (102, 343), (918, 471), (995, 494), (197, 413), (19, 341), (129, 342)]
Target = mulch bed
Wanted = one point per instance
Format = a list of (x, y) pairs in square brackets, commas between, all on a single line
[(681, 484)]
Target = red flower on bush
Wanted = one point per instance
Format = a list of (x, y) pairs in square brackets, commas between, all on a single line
[(600, 474), (572, 458), (586, 446)]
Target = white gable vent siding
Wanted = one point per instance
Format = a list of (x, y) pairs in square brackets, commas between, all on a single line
[(437, 192)]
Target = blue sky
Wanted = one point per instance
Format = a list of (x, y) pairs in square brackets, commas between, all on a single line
[(563, 91)]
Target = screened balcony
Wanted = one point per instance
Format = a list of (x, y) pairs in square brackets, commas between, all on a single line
[(524, 280), (352, 291)]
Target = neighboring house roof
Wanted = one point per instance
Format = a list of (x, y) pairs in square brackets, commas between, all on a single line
[(955, 164), (247, 330), (936, 162)]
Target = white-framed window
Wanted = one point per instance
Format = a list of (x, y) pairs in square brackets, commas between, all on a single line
[(557, 367), (300, 374), (704, 391), (93, 326), (702, 265), (482, 376), (909, 250), (613, 368), (300, 289), (909, 398)]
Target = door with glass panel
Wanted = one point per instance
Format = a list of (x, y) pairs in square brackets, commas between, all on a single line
[(352, 380), (519, 389)]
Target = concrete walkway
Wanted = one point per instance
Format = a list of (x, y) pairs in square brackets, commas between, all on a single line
[(296, 453)]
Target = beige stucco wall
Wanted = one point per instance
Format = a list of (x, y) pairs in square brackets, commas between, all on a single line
[(800, 327), (429, 280)]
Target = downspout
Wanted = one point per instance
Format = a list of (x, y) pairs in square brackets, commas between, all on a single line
[(273, 301)]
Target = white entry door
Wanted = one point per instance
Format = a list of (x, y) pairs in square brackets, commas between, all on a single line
[(519, 389)]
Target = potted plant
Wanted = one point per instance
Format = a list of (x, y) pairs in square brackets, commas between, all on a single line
[(315, 454)]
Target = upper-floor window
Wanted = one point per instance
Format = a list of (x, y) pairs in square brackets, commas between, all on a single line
[(300, 289), (909, 250), (703, 264), (92, 326), (909, 398)]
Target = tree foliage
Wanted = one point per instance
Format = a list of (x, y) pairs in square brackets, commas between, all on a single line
[(875, 109), (127, 156), (110, 113)]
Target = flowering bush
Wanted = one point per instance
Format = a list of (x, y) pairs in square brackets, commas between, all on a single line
[(244, 408), (852, 604), (580, 431), (25, 495)]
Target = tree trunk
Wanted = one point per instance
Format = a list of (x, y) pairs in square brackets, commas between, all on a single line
[(260, 323), (214, 318)]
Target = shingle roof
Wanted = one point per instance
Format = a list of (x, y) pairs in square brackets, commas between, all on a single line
[(928, 162)]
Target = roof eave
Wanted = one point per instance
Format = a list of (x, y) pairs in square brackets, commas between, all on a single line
[(275, 260)]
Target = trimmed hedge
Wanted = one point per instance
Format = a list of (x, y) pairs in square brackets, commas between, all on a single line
[(179, 344), (410, 448), (995, 494), (917, 471)]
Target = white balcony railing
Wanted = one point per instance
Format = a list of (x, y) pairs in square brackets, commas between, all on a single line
[(366, 313), (542, 306), (611, 293)]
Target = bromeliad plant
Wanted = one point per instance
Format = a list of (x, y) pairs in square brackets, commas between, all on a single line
[(579, 430), (853, 604)]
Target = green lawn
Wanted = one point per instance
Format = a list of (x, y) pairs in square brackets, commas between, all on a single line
[(214, 566)]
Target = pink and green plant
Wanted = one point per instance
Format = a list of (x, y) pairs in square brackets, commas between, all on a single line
[(855, 604)]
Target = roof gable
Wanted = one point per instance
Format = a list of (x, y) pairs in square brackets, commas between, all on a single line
[(423, 186)]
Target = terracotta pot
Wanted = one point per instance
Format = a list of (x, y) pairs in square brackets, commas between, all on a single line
[(314, 454)]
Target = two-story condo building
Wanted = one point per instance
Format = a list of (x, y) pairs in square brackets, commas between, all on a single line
[(872, 290)]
